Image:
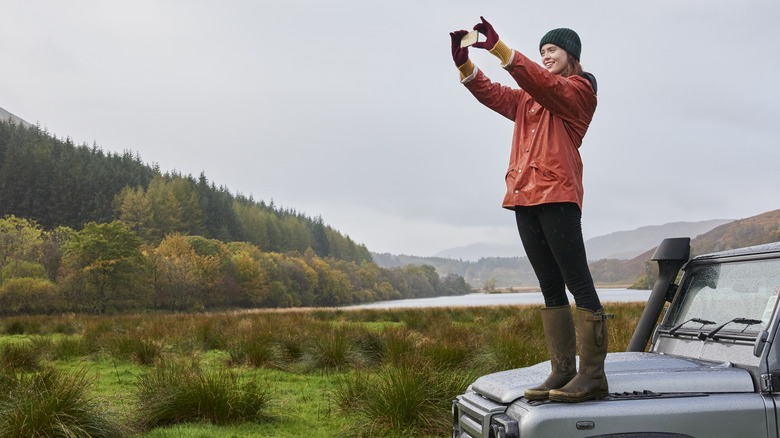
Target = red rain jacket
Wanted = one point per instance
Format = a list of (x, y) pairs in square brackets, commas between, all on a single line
[(551, 115)]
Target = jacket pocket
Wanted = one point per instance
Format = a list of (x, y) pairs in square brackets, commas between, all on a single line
[(544, 173)]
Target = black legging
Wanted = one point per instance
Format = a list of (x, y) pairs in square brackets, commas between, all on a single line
[(552, 237)]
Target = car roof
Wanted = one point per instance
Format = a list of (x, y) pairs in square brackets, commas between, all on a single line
[(766, 248)]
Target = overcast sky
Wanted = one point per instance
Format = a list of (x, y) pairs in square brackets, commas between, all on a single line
[(352, 109)]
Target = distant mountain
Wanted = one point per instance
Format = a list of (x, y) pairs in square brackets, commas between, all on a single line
[(755, 230), (612, 268), (625, 245), (477, 251), (5, 115), (622, 245)]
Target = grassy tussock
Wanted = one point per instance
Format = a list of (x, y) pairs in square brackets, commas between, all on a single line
[(174, 393), (394, 371), (401, 400), (53, 404)]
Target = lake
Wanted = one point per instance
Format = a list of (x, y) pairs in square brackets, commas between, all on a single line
[(503, 299)]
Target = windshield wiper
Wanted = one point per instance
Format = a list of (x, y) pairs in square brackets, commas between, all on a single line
[(746, 321), (703, 322)]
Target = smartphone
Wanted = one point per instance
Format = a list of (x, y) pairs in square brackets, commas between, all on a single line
[(469, 39)]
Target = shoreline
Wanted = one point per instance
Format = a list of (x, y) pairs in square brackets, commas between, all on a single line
[(524, 289)]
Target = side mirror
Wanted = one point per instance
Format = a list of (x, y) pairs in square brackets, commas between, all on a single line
[(758, 347)]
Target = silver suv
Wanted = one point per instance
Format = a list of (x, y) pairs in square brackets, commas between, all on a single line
[(712, 368)]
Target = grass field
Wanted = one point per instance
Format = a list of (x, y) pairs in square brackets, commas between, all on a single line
[(313, 372)]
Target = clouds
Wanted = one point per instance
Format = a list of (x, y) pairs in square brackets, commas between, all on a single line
[(352, 110)]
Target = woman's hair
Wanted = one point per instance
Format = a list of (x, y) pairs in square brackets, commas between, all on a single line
[(573, 67)]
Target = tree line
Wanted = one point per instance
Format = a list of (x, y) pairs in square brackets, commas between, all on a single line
[(107, 268)]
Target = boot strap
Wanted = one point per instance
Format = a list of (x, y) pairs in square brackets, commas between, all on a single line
[(599, 317)]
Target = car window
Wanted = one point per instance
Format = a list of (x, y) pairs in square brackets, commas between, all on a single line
[(725, 291)]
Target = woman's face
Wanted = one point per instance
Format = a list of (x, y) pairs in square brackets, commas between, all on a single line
[(554, 58)]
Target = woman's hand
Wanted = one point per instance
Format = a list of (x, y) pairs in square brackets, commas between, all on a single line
[(491, 37), (459, 54)]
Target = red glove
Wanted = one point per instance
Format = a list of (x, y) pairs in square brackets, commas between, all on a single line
[(459, 54), (491, 37)]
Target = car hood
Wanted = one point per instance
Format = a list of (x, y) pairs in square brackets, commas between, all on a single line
[(628, 372)]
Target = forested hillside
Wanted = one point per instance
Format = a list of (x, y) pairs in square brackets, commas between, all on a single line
[(85, 230), (763, 228), (56, 183)]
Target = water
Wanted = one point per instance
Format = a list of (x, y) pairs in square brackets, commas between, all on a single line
[(480, 299)]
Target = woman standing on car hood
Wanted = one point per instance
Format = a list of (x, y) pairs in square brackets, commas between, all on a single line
[(551, 110)]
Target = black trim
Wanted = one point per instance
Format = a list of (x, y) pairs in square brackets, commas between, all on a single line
[(592, 80), (642, 435)]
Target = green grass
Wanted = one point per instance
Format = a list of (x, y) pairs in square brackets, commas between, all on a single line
[(322, 373)]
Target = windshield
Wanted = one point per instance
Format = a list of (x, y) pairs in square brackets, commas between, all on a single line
[(722, 292)]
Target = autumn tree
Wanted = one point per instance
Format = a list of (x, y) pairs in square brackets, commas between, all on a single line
[(20, 240), (183, 279), (102, 267)]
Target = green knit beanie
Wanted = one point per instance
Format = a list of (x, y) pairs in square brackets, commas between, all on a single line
[(564, 38)]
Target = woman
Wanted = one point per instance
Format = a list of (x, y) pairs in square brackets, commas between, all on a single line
[(551, 110)]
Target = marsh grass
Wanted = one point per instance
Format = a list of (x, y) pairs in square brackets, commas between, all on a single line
[(401, 344), (176, 393), (410, 399), (331, 348), (21, 356), (53, 404), (140, 350), (255, 349), (370, 372)]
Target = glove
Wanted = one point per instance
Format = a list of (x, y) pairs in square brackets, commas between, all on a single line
[(459, 54), (491, 37)]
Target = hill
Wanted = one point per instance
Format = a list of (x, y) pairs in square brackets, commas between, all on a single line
[(763, 228), (82, 230), (626, 245), (623, 245), (7, 116), (57, 183), (637, 270)]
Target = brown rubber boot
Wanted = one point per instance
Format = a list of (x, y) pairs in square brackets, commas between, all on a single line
[(561, 341), (590, 382)]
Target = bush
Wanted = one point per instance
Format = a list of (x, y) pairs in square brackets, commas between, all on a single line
[(175, 393), (52, 404), (20, 268), (29, 295)]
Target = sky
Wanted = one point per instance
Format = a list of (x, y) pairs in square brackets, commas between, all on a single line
[(352, 110)]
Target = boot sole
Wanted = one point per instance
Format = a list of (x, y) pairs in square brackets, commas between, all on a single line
[(537, 395), (582, 398)]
